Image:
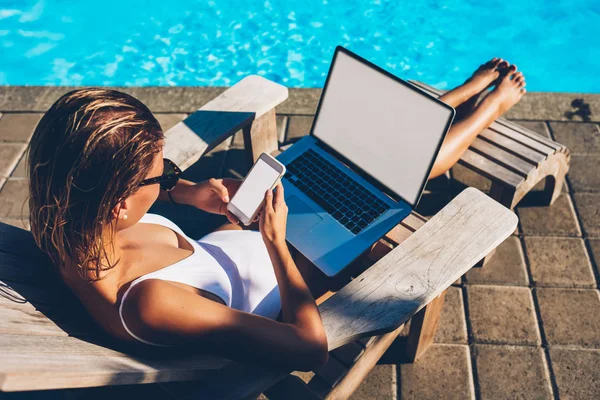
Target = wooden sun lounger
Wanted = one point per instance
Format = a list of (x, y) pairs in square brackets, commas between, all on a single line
[(515, 159), (47, 340)]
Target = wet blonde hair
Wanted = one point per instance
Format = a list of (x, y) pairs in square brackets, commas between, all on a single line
[(88, 153)]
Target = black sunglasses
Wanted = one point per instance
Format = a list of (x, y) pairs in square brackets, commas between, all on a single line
[(168, 179)]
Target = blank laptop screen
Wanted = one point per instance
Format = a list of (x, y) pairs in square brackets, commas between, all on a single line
[(384, 127)]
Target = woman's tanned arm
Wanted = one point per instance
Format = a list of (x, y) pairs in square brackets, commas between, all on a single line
[(297, 303)]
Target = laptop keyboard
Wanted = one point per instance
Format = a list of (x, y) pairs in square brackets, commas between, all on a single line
[(345, 199)]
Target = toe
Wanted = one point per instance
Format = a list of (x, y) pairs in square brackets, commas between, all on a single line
[(502, 64)]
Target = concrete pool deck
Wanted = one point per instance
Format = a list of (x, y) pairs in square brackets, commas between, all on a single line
[(527, 325)]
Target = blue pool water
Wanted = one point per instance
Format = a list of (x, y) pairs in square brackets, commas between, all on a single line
[(556, 43)]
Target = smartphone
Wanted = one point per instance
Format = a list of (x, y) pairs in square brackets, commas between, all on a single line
[(249, 198)]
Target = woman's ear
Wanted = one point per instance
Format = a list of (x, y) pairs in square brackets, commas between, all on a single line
[(120, 210)]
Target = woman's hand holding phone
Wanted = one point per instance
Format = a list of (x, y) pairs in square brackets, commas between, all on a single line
[(213, 195), (273, 217)]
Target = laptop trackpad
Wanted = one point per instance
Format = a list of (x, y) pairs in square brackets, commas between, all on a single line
[(301, 217)]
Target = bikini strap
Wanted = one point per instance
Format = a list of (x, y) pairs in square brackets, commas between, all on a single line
[(123, 320)]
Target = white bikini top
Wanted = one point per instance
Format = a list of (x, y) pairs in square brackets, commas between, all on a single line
[(234, 265)]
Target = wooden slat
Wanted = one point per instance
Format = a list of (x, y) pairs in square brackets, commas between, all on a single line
[(398, 234), (235, 108), (349, 353), (379, 250), (489, 169), (527, 140), (61, 319), (414, 221), (528, 132), (17, 268), (420, 269), (32, 362), (527, 153), (18, 241), (405, 228), (502, 157), (47, 296), (332, 371), (24, 319)]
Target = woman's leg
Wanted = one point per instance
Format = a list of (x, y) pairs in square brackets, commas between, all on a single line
[(510, 87)]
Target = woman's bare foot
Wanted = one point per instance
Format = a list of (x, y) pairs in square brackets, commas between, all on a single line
[(508, 91), (487, 75), (464, 97)]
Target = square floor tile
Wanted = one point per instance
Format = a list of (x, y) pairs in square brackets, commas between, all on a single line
[(502, 315), (556, 220), (18, 127), (20, 170), (14, 198), (570, 316), (10, 154), (583, 173), (452, 327), (578, 137), (298, 126), (588, 206), (577, 373), (506, 267), (512, 372), (562, 262), (380, 383), (443, 372)]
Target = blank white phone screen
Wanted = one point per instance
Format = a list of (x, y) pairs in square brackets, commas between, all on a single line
[(252, 191)]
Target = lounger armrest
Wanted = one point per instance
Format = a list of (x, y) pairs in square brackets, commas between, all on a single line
[(234, 109), (395, 288)]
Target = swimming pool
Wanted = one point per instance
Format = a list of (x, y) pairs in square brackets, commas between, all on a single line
[(556, 43)]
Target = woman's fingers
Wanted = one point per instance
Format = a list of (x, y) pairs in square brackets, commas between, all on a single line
[(269, 201), (232, 218), (220, 189), (279, 199)]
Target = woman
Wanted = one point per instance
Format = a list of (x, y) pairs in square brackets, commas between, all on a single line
[(96, 167)]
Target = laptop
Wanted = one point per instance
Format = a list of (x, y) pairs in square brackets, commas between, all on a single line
[(364, 165)]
